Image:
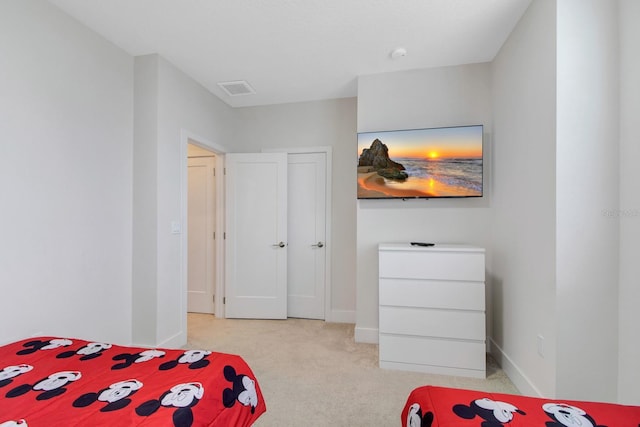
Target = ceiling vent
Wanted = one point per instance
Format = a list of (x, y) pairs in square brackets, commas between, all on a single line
[(237, 88)]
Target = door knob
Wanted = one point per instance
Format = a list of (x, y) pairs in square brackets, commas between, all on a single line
[(318, 245), (279, 245)]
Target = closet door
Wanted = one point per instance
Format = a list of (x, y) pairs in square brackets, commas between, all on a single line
[(307, 235), (256, 236)]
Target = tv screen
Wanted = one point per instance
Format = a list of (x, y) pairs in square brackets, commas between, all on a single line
[(420, 163)]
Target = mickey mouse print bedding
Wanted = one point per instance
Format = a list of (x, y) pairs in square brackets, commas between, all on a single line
[(50, 381), (431, 406)]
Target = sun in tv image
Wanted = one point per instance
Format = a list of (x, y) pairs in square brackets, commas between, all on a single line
[(420, 163)]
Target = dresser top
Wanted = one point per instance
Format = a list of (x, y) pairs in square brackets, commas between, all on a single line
[(438, 247)]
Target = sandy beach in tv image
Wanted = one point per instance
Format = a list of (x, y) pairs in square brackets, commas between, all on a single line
[(430, 163)]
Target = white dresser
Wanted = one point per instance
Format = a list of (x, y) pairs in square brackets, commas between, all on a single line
[(432, 309)]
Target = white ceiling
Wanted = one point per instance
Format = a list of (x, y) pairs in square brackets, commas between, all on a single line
[(300, 50)]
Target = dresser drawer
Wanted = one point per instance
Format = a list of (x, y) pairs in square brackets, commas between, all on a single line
[(454, 324), (432, 293), (435, 265), (433, 352)]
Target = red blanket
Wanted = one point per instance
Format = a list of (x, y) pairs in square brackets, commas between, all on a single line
[(53, 382), (448, 407)]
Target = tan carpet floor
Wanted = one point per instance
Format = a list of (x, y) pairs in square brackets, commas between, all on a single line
[(313, 373)]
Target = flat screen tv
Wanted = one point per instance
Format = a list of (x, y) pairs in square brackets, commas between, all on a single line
[(429, 163)]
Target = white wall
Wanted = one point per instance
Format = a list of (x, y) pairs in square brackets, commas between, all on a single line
[(524, 201), (629, 212), (556, 255), (145, 201), (586, 188), (414, 99), (66, 126), (314, 124), (181, 106)]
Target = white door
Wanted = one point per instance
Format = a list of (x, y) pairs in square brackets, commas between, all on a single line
[(256, 236), (306, 250), (201, 225)]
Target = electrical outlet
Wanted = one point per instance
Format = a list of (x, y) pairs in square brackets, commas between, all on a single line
[(540, 345)]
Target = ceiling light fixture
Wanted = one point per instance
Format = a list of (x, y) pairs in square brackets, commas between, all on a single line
[(398, 53)]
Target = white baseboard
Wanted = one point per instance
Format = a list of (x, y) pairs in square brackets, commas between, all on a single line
[(515, 374), (366, 335), (176, 341), (342, 316)]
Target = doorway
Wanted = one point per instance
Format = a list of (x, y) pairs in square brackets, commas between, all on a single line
[(201, 235), (195, 147)]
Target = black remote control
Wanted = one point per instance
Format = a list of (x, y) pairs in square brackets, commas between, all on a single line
[(422, 244)]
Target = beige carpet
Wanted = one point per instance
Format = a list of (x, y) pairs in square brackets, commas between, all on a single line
[(312, 373)]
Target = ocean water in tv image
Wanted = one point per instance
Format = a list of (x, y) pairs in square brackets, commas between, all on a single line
[(441, 177)]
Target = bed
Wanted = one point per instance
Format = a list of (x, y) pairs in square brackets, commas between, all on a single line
[(449, 407), (52, 381)]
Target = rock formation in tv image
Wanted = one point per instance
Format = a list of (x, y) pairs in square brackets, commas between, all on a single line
[(376, 158)]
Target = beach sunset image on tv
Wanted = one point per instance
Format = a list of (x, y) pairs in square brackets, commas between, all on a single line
[(420, 163)]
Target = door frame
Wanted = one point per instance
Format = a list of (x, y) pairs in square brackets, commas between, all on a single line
[(327, 150), (186, 138)]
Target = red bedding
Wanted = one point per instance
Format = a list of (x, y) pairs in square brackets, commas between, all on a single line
[(448, 407), (53, 382)]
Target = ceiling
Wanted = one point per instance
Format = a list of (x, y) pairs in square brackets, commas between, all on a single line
[(300, 50)]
